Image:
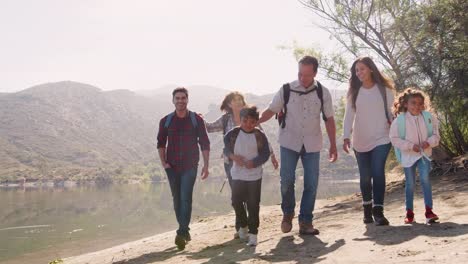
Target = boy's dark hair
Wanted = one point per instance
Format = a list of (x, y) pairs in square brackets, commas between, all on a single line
[(180, 90), (309, 60), (251, 112)]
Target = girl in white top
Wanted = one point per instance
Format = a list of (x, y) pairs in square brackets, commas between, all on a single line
[(414, 133), (367, 119)]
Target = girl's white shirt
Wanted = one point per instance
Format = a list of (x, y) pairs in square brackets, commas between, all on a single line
[(416, 134)]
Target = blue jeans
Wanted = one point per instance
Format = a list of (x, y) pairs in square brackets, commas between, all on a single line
[(424, 167), (181, 184), (310, 162), (372, 173)]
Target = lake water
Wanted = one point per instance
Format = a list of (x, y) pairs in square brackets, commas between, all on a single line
[(38, 225)]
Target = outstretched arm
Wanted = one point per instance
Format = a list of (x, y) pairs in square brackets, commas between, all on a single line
[(266, 115), (215, 126)]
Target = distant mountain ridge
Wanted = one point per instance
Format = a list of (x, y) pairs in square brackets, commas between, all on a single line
[(66, 128), (71, 129), (53, 127)]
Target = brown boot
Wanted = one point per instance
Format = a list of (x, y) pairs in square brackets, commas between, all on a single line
[(286, 224), (307, 229)]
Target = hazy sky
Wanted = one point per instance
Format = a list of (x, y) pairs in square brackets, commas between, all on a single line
[(145, 44)]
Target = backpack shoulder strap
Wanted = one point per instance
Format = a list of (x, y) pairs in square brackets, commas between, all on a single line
[(401, 121), (383, 92), (428, 120), (282, 115), (168, 119), (320, 96), (194, 119), (286, 93)]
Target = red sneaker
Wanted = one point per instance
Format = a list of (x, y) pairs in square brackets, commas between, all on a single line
[(409, 219), (430, 216)]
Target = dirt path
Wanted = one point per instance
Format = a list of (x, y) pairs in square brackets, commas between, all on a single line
[(343, 238)]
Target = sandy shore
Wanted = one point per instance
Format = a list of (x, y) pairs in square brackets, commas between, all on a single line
[(343, 237)]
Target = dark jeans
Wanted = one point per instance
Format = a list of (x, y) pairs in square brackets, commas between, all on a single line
[(372, 173), (247, 192), (182, 189), (227, 169)]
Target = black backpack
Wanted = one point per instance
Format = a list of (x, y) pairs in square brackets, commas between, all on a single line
[(281, 116)]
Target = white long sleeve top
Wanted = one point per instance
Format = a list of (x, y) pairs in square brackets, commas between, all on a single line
[(416, 134), (367, 123)]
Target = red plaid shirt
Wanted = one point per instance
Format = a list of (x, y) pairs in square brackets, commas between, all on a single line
[(181, 141)]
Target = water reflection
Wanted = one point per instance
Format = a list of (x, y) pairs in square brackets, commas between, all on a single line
[(41, 224)]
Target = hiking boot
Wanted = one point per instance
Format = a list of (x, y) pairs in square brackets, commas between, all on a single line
[(307, 229), (187, 237), (180, 242), (286, 223), (252, 240), (368, 214), (379, 217), (430, 216), (409, 219), (243, 233)]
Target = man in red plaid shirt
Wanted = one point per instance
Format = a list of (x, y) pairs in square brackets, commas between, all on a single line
[(179, 135)]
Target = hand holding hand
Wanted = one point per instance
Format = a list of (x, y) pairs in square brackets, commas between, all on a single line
[(416, 148)]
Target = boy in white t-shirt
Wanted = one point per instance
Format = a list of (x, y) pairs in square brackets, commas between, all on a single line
[(247, 147)]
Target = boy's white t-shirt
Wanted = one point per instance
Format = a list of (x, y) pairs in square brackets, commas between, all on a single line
[(246, 146)]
